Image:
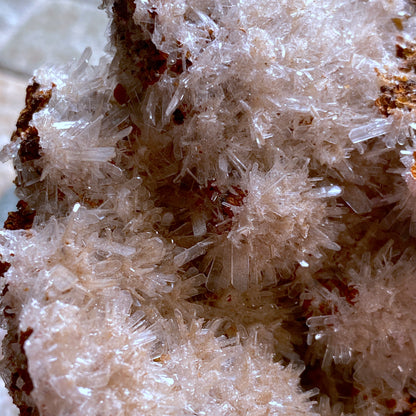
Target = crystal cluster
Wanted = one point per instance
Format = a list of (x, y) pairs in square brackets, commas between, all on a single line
[(219, 218)]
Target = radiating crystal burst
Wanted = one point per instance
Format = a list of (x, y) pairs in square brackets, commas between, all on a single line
[(219, 218)]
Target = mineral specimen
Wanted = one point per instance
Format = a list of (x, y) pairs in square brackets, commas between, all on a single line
[(219, 218)]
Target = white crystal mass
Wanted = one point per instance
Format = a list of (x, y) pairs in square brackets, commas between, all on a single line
[(219, 218)]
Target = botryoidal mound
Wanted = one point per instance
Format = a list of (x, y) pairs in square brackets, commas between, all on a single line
[(219, 218)]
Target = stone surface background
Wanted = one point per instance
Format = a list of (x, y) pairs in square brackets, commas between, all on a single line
[(35, 33)]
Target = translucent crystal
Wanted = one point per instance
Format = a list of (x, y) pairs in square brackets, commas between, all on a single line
[(369, 131), (232, 187)]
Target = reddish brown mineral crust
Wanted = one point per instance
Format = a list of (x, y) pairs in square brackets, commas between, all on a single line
[(120, 94), (24, 374), (397, 22), (413, 168), (20, 384), (411, 401), (29, 148), (4, 266), (22, 219), (142, 59), (397, 93), (408, 54), (21, 380), (36, 100), (178, 117), (391, 403)]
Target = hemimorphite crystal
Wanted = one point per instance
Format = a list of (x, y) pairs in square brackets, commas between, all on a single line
[(227, 199)]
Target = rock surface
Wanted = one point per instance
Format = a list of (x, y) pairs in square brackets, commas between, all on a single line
[(219, 217)]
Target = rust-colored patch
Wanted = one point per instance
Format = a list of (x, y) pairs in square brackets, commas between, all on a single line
[(397, 92), (140, 58), (391, 403), (348, 292), (411, 401), (36, 99), (307, 308), (19, 382), (4, 266), (222, 207), (327, 307), (230, 200), (231, 331), (178, 117), (215, 205), (413, 168), (24, 336), (22, 373), (406, 51), (93, 203), (121, 95), (178, 67), (306, 121), (398, 22), (124, 9), (30, 147), (22, 219), (163, 358)]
